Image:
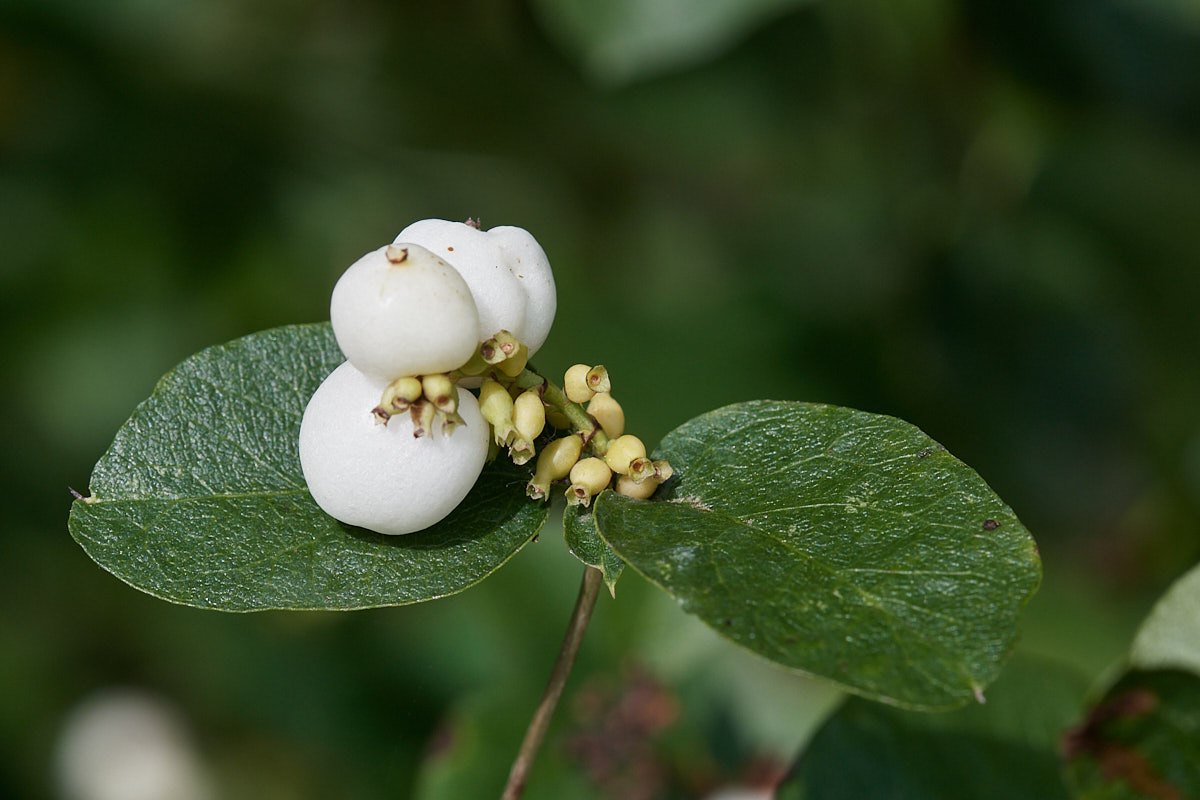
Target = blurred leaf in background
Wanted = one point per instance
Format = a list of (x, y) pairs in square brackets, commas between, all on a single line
[(976, 216)]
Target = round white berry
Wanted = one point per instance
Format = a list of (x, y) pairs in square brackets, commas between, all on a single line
[(379, 476), (507, 270), (401, 310)]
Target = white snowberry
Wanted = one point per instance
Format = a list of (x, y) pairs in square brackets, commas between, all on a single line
[(401, 310), (507, 270), (379, 476)]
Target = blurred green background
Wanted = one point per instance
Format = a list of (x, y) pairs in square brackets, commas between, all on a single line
[(981, 217)]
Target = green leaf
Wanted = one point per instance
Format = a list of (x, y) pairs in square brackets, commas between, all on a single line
[(843, 544), (584, 542), (621, 40), (200, 499), (1170, 636), (1006, 748), (1141, 741)]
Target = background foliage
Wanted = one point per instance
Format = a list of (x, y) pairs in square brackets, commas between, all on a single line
[(976, 217)]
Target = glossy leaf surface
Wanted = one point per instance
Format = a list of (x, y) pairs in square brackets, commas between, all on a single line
[(200, 499), (843, 544), (584, 542)]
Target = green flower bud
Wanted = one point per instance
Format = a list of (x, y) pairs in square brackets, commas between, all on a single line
[(529, 414), (589, 477), (398, 396), (623, 450), (500, 347), (631, 488), (597, 379), (575, 384), (641, 469), (422, 418), (450, 421), (608, 412), (554, 464), (663, 470), (520, 450), (496, 406), (515, 364), (439, 390)]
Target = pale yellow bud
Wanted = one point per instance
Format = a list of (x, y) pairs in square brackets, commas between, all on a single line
[(631, 488), (398, 397), (559, 456), (496, 406), (597, 379), (554, 464), (520, 450), (608, 412), (623, 450), (422, 418), (575, 384), (439, 390), (500, 347), (589, 477), (663, 470), (529, 414), (515, 364), (641, 469)]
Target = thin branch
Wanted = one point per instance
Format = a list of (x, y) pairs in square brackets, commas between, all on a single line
[(589, 588)]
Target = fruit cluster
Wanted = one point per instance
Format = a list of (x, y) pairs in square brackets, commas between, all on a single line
[(394, 439)]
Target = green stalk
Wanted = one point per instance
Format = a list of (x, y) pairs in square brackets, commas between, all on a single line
[(556, 398), (589, 589)]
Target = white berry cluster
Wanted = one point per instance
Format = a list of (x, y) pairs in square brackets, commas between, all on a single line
[(406, 316)]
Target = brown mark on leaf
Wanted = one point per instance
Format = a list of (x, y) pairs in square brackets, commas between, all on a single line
[(925, 454), (1119, 761), (990, 524)]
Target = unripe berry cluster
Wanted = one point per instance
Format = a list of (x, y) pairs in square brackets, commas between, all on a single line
[(617, 458)]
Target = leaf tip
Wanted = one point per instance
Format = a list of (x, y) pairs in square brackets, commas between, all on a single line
[(91, 498)]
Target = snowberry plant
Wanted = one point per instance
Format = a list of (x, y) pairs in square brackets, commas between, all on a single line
[(409, 448)]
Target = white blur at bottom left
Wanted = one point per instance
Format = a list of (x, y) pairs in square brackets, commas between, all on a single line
[(128, 744)]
